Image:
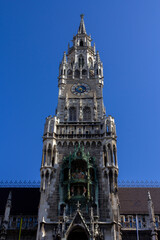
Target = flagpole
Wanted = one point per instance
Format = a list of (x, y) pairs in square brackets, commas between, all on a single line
[(20, 228), (137, 227)]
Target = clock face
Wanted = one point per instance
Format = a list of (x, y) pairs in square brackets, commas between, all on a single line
[(80, 89)]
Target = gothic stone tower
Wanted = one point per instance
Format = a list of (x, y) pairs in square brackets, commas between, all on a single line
[(79, 195)]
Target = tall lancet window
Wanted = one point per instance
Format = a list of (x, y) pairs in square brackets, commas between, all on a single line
[(81, 61), (86, 114), (72, 114)]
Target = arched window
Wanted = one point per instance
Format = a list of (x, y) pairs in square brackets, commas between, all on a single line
[(114, 155), (69, 72), (65, 144), (110, 180), (82, 144), (49, 154), (44, 158), (70, 144), (77, 73), (99, 144), (93, 144), (87, 144), (115, 178), (52, 161), (105, 161), (86, 114), (110, 156), (81, 61), (72, 114), (81, 43), (84, 72), (72, 62)]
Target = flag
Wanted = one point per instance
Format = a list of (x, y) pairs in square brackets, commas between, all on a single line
[(20, 228), (137, 227)]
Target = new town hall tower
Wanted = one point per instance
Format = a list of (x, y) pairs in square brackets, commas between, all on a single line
[(79, 170)]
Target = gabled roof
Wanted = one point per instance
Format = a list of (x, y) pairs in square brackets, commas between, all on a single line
[(78, 220)]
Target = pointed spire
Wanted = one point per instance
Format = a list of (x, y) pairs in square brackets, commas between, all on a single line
[(149, 196), (82, 28), (7, 210), (10, 196), (64, 60), (98, 57)]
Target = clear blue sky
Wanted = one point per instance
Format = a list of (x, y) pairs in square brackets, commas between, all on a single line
[(34, 35)]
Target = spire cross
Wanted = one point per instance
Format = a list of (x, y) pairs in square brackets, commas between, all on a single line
[(78, 205)]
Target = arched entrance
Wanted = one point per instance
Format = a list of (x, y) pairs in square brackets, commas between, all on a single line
[(77, 234)]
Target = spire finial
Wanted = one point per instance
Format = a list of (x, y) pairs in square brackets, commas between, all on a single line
[(82, 16)]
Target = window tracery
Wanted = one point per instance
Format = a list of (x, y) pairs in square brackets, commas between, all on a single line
[(86, 114), (72, 114), (81, 61)]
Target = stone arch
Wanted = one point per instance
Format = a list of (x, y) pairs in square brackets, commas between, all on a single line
[(78, 233)]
